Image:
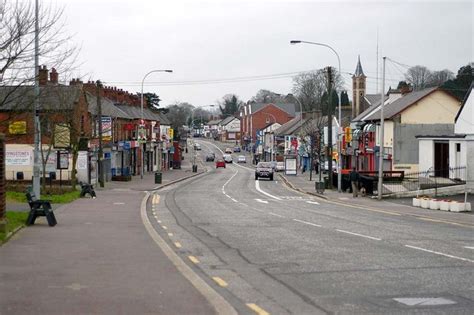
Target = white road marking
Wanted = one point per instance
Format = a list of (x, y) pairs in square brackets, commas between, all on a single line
[(233, 199), (119, 203), (257, 186), (312, 202), (439, 253), (361, 235), (276, 214), (261, 201), (308, 223), (469, 247)]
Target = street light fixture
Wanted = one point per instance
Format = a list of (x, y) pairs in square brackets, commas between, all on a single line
[(339, 109), (142, 122)]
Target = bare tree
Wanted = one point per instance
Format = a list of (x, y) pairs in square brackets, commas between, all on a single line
[(267, 96), (230, 105), (439, 77), (309, 88), (312, 138), (17, 42), (419, 77)]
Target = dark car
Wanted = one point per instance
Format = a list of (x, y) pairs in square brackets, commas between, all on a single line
[(264, 169), (210, 157), (220, 163), (236, 149)]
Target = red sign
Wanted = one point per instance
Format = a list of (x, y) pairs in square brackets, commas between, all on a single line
[(129, 127)]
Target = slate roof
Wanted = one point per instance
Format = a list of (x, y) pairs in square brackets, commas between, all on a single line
[(226, 120), (359, 72), (214, 122), (400, 104), (57, 97), (287, 107), (108, 107)]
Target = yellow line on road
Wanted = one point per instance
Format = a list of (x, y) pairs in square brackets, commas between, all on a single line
[(219, 281), (193, 259), (442, 221), (257, 309), (177, 244)]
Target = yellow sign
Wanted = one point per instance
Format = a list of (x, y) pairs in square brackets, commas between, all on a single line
[(62, 136), (17, 128), (335, 155), (170, 133), (348, 134)]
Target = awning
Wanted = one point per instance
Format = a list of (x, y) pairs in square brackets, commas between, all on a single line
[(369, 128), (356, 134)]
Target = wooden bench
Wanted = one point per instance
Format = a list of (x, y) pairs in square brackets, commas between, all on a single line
[(39, 207)]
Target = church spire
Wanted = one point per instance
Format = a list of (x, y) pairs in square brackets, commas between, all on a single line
[(359, 72)]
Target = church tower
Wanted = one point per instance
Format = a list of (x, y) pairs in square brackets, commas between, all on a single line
[(358, 90)]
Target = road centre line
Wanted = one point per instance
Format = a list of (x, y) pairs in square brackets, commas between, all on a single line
[(308, 223), (178, 244), (193, 259), (361, 235), (469, 247), (261, 201), (276, 214), (257, 309), (220, 282), (257, 186), (439, 253)]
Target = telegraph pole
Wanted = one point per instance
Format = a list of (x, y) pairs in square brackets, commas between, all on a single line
[(381, 139), (101, 153), (329, 148), (36, 122)]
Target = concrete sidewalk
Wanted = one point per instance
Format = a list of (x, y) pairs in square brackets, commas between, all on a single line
[(302, 183), (99, 259)]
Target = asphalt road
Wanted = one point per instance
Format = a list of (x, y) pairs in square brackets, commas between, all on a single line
[(266, 248)]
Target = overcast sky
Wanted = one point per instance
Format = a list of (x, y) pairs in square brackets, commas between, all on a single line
[(213, 40)]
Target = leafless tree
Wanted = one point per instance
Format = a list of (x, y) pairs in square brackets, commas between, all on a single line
[(309, 88), (312, 138), (419, 77), (267, 96), (17, 42), (439, 77)]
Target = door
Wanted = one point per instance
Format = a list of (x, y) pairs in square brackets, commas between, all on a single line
[(441, 159)]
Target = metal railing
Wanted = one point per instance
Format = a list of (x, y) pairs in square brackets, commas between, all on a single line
[(429, 179)]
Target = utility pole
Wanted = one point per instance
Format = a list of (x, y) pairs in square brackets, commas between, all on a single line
[(101, 153), (329, 150), (381, 139), (36, 122)]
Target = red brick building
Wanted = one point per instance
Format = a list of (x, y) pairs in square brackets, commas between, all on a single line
[(256, 116)]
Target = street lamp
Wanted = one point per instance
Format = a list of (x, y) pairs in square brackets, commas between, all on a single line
[(339, 109), (273, 137), (301, 116), (142, 122)]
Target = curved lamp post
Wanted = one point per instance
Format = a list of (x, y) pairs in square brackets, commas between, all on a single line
[(142, 122), (339, 107)]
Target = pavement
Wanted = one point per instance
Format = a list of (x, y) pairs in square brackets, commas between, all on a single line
[(101, 259)]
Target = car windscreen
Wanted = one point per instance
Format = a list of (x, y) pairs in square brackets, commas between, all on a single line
[(264, 165)]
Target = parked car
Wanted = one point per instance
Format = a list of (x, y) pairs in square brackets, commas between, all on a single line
[(220, 163), (197, 146), (241, 159), (280, 166), (210, 157), (228, 158), (264, 169), (236, 149), (228, 150)]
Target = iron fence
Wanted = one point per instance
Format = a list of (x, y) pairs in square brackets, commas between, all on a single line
[(429, 179)]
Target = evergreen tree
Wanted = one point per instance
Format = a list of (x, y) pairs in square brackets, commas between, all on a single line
[(344, 99)]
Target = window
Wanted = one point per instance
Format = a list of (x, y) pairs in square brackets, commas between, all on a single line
[(458, 147)]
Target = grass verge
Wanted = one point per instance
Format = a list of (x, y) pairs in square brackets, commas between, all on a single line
[(14, 221), (65, 197)]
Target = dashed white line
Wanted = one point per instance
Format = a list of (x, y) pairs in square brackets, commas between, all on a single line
[(261, 201), (439, 253), (308, 223), (276, 214), (361, 235), (469, 247), (312, 202)]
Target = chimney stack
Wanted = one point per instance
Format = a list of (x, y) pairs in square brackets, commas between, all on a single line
[(43, 75), (53, 76)]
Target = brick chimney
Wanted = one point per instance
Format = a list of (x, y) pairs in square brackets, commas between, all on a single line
[(43, 75), (53, 76)]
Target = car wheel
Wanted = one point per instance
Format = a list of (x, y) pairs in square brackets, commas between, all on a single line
[(271, 177), (256, 177)]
